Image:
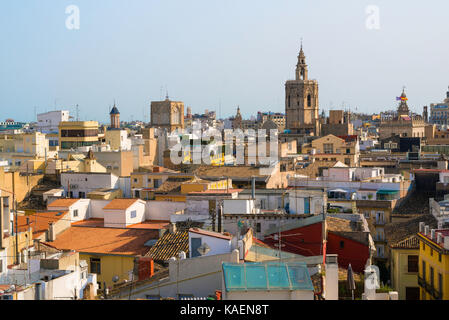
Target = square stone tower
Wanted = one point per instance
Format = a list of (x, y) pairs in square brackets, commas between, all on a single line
[(167, 114), (301, 101)]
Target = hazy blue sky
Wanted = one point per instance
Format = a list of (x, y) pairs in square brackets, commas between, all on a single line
[(239, 52)]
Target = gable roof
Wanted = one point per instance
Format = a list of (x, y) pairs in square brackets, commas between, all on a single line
[(408, 243), (118, 241), (63, 203), (170, 245), (120, 204)]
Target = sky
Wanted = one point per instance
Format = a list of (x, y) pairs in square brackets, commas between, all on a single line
[(218, 54)]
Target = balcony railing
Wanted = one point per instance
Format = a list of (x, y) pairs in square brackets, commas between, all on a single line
[(430, 288)]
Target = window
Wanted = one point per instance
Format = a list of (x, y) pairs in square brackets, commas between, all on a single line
[(309, 100), (413, 263), (431, 252), (258, 227), (342, 244), (380, 251), (431, 277), (367, 214), (424, 270), (328, 148), (1, 266), (95, 265), (439, 257), (423, 246), (133, 214), (135, 180), (75, 213), (440, 284)]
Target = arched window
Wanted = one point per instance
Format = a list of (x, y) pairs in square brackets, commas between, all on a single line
[(309, 100)]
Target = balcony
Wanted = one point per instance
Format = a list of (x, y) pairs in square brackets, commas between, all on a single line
[(437, 295), (380, 222)]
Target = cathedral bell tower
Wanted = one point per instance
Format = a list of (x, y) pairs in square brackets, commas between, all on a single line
[(301, 101)]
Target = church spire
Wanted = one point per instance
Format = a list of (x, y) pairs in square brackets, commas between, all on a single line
[(301, 67), (403, 109)]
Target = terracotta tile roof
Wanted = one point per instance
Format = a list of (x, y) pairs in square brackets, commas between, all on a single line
[(118, 241), (39, 222), (210, 233), (408, 243), (170, 245), (170, 186), (92, 222), (340, 225), (120, 204), (151, 224), (398, 231), (63, 203), (232, 172)]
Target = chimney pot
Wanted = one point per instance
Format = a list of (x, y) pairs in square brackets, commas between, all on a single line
[(446, 243), (421, 227), (439, 237)]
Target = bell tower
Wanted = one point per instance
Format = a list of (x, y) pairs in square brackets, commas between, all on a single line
[(301, 101), (301, 66)]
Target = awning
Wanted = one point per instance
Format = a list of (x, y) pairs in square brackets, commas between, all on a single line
[(338, 190), (387, 192)]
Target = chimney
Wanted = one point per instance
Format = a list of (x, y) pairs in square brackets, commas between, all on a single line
[(421, 227), (446, 243), (439, 237), (432, 234), (172, 228), (426, 230), (51, 232)]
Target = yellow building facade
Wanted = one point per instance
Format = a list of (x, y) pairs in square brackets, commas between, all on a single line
[(73, 134), (433, 278), (106, 266), (333, 148), (404, 265)]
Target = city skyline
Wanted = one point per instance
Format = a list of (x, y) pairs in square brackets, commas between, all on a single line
[(217, 53)]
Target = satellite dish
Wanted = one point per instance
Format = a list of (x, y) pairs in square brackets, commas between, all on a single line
[(115, 279), (203, 249)]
